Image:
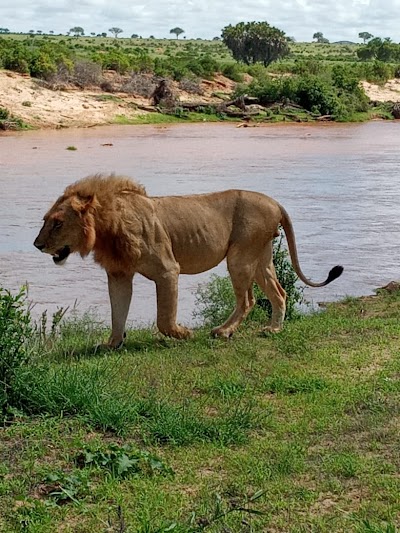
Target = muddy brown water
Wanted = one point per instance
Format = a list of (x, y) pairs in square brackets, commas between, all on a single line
[(339, 183)]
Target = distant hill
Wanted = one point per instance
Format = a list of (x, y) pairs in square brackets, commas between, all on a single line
[(344, 42)]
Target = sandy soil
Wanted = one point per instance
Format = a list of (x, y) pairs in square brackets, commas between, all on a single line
[(390, 92), (41, 107), (28, 99)]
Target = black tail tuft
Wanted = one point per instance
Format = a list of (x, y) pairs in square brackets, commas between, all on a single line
[(335, 272)]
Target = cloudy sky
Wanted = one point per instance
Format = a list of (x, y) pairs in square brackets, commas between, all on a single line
[(336, 19)]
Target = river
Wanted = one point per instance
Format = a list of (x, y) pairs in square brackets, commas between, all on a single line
[(339, 183)]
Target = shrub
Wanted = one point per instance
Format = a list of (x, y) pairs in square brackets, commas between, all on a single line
[(316, 95), (308, 66), (15, 330), (232, 71), (270, 90), (116, 60), (87, 73), (378, 72), (215, 300), (141, 84), (191, 85), (15, 57)]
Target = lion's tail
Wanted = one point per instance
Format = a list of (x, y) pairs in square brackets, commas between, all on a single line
[(286, 223)]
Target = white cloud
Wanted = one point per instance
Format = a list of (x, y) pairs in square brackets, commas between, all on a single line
[(336, 19)]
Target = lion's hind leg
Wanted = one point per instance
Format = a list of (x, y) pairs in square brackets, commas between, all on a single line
[(268, 282), (242, 277)]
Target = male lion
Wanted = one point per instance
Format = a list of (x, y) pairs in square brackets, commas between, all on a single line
[(161, 237)]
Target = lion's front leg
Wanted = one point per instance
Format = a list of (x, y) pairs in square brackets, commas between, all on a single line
[(120, 291), (167, 306)]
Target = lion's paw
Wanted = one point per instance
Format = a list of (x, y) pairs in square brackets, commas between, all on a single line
[(183, 333), (271, 329), (221, 333), (177, 332)]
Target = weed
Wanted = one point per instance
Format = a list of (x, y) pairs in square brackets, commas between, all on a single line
[(15, 331), (64, 488), (122, 461)]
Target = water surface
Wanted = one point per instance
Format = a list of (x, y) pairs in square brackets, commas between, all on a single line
[(339, 183)]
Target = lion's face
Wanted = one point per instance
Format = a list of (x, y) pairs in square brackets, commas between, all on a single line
[(68, 227)]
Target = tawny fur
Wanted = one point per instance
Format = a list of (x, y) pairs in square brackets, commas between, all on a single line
[(161, 237)]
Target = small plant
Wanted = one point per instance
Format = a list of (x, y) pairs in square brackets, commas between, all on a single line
[(72, 148), (55, 323), (9, 122), (15, 331), (27, 103), (222, 509), (64, 488), (123, 461)]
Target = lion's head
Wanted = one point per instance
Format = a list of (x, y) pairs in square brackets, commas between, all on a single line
[(68, 227)]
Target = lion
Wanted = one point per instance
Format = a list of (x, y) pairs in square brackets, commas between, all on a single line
[(161, 237)]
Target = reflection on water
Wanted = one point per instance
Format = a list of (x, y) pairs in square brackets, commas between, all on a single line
[(339, 183)]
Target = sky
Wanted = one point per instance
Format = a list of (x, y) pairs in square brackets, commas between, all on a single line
[(336, 19)]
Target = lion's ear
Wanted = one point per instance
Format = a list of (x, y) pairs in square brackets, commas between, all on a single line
[(82, 204)]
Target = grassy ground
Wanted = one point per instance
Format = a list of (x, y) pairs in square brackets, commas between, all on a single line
[(297, 432)]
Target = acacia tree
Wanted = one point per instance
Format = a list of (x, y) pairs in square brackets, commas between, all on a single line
[(320, 37), (365, 36), (77, 30), (115, 31), (253, 42), (380, 49), (177, 31)]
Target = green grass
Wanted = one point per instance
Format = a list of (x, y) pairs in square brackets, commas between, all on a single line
[(295, 432), (159, 118)]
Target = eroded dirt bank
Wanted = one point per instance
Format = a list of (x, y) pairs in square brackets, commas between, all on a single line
[(28, 99), (40, 107)]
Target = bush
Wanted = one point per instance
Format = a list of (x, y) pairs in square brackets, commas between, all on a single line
[(116, 60), (87, 73), (15, 330), (191, 85), (271, 90), (232, 71), (316, 95), (215, 301), (140, 84), (379, 72)]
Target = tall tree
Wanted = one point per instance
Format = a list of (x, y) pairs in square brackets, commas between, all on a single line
[(381, 49), (320, 37), (253, 42), (115, 31), (365, 36), (177, 31), (77, 30)]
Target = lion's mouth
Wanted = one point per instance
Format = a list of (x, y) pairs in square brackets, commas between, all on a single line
[(62, 255)]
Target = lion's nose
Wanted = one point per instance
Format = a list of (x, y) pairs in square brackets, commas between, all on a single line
[(38, 245)]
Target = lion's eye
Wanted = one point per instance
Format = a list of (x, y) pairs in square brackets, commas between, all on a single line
[(57, 224)]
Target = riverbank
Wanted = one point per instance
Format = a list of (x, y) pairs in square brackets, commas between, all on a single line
[(289, 432), (38, 106)]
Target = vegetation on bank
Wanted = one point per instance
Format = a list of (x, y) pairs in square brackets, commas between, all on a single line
[(10, 122), (287, 80), (297, 431)]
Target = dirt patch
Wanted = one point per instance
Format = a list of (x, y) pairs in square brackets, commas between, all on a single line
[(41, 107), (389, 92)]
